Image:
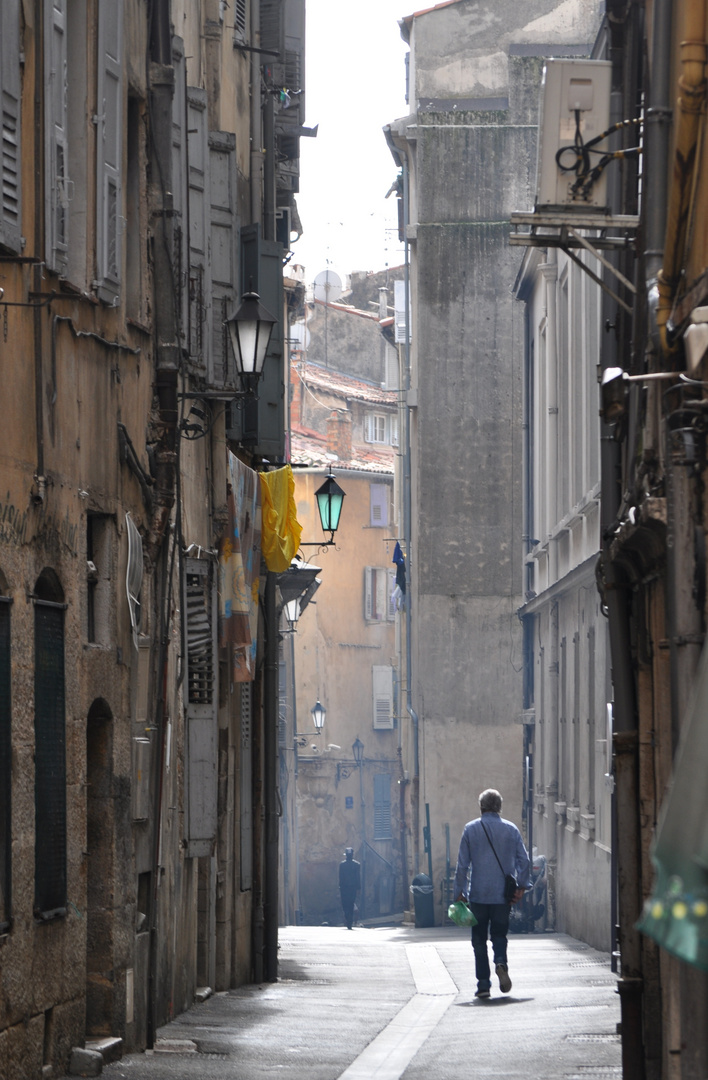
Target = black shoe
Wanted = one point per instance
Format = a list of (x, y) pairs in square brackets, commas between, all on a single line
[(482, 994), (504, 980)]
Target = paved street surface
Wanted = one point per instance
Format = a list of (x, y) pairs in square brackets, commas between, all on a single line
[(379, 1004)]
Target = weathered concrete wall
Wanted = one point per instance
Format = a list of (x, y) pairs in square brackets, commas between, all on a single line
[(471, 148)]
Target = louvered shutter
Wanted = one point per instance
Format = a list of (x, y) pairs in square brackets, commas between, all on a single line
[(378, 498), (368, 427), (49, 761), (240, 20), (261, 423), (109, 150), (246, 788), (199, 284), (56, 151), (383, 697), (201, 697), (381, 599), (369, 578), (392, 376), (5, 764), (399, 302), (272, 35), (10, 206), (283, 705), (382, 806), (390, 603), (179, 186), (222, 183)]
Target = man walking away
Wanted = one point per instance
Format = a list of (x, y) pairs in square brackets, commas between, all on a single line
[(349, 884), (490, 849)]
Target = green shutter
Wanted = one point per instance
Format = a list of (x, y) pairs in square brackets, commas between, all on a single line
[(382, 806)]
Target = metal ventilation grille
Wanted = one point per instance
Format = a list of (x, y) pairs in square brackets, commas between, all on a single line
[(200, 638)]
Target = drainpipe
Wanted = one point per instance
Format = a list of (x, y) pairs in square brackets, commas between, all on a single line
[(270, 770), (407, 526), (626, 833), (256, 178), (689, 118), (549, 269)]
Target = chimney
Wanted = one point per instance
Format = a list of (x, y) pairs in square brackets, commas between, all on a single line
[(339, 434)]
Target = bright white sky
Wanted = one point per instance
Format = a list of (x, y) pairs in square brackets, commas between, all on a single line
[(355, 84)]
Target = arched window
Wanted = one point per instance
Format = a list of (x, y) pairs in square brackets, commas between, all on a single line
[(50, 749), (5, 756)]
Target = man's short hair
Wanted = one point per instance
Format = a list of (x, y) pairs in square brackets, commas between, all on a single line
[(490, 801)]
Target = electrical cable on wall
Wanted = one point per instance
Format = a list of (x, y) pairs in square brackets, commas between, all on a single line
[(579, 152)]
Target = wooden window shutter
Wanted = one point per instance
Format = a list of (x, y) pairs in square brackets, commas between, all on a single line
[(383, 697), (109, 150), (261, 423), (199, 283), (283, 704), (5, 764), (222, 182), (382, 806), (390, 602), (369, 578), (11, 203), (201, 697), (180, 198), (368, 427), (381, 597), (246, 788), (49, 761), (399, 307), (240, 20), (378, 501), (56, 141)]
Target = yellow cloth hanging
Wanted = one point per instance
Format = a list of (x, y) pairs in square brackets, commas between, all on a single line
[(281, 531)]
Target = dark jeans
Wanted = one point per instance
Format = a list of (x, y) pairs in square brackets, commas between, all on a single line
[(492, 921)]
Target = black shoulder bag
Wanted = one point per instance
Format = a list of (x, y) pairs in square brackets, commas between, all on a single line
[(510, 882)]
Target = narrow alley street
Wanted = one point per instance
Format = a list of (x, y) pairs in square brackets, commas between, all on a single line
[(384, 1003)]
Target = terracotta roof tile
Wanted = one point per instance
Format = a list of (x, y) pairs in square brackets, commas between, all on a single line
[(346, 385), (309, 448)]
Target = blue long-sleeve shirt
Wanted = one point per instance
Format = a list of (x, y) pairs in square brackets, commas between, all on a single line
[(487, 878)]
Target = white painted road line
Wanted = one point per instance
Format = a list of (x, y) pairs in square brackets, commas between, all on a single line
[(430, 974), (393, 1049)]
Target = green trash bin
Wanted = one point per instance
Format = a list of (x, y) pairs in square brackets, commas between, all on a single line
[(422, 889)]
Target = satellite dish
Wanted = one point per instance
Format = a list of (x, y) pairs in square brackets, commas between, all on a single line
[(328, 287)]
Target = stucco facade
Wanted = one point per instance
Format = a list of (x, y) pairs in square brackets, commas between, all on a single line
[(132, 209), (567, 684)]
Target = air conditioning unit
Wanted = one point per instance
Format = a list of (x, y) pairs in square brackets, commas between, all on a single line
[(575, 110)]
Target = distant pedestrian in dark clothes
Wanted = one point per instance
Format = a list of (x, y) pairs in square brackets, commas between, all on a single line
[(349, 884), (487, 842)]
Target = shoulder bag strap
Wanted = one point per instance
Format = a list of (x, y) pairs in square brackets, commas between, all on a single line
[(493, 848)]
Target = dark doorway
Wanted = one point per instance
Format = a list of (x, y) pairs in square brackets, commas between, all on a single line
[(100, 975)]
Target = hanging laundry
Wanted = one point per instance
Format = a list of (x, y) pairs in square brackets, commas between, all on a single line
[(239, 569), (398, 596), (281, 529)]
